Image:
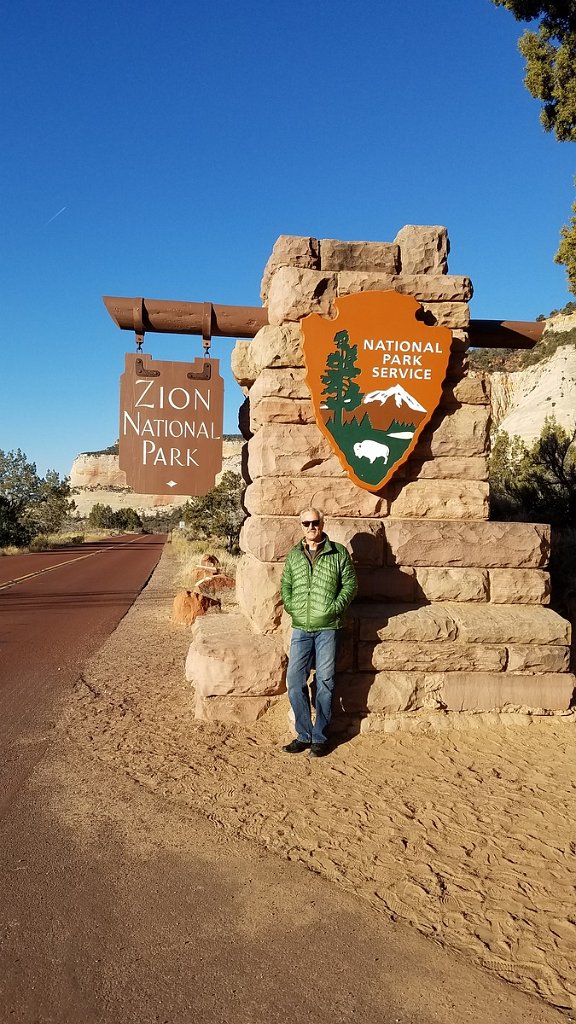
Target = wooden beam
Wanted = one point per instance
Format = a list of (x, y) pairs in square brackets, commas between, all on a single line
[(166, 317), (161, 316), (505, 333)]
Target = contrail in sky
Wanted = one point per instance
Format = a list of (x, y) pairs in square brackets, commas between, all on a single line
[(55, 215)]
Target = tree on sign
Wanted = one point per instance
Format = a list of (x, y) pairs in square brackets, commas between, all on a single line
[(341, 392)]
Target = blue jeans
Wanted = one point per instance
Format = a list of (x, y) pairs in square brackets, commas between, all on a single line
[(307, 650)]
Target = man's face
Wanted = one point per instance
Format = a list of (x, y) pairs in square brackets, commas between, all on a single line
[(312, 526)]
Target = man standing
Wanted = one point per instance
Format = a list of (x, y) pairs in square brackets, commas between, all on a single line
[(318, 584)]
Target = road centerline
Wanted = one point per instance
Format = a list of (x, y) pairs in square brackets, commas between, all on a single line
[(69, 561)]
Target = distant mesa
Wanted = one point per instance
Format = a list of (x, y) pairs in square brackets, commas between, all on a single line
[(97, 479)]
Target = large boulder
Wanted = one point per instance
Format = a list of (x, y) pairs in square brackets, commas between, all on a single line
[(294, 293), (226, 658), (189, 605), (258, 592), (290, 251), (424, 249), (379, 257)]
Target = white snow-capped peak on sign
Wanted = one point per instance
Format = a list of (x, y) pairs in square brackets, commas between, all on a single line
[(400, 395)]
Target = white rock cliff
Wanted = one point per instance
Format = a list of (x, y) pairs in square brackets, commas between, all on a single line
[(97, 479), (522, 400)]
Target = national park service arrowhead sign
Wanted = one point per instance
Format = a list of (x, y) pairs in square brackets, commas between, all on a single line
[(171, 416), (375, 373)]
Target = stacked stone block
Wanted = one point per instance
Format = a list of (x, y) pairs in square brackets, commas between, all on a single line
[(452, 612)]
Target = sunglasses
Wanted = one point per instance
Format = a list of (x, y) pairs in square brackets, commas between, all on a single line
[(310, 522)]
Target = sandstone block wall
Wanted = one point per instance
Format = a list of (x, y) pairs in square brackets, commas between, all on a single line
[(452, 610)]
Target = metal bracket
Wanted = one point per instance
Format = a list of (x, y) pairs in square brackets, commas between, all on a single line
[(145, 373), (205, 373)]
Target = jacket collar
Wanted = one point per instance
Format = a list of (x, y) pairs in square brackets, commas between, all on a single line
[(326, 547)]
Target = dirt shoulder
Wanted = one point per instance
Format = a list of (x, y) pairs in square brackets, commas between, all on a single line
[(469, 836)]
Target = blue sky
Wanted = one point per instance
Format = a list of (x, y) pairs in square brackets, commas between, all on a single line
[(160, 149)]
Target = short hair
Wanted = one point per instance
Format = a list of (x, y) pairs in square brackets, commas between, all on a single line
[(317, 512)]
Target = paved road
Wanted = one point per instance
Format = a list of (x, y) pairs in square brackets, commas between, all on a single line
[(56, 608)]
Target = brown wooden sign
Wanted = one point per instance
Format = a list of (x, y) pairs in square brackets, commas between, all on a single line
[(171, 417), (375, 373)]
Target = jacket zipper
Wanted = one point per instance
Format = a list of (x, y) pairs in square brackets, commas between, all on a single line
[(311, 572)]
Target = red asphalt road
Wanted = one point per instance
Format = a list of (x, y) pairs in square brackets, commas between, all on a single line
[(56, 609)]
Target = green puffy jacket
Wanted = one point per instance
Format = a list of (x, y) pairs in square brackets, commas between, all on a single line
[(316, 597)]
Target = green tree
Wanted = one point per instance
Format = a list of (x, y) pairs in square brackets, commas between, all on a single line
[(127, 519), (341, 393), (30, 504), (101, 517), (567, 250), (51, 506), (19, 481), (218, 513), (550, 55), (12, 530), (507, 456), (537, 484), (162, 520)]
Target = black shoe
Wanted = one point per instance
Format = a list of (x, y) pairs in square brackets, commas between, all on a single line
[(318, 749), (296, 747)]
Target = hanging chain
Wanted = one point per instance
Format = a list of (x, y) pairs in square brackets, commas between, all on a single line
[(207, 313), (138, 311)]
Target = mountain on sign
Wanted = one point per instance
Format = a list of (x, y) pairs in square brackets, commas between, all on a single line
[(400, 395)]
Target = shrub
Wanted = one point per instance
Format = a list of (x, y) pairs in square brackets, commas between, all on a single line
[(102, 517), (537, 484), (218, 513)]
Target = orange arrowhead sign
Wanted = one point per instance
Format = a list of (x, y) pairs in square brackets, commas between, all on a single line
[(375, 373)]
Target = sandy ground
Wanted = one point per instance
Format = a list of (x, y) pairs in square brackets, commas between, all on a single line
[(467, 835)]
